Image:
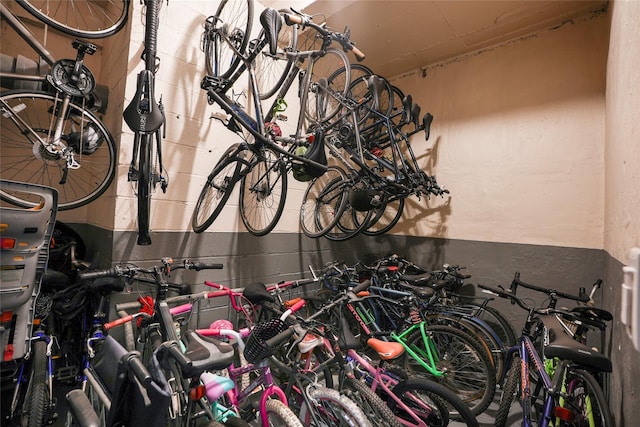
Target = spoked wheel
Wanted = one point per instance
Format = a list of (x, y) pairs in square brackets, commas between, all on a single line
[(217, 189), (323, 203), (271, 70), (88, 19), (231, 26), (385, 217), (263, 193), (324, 99), (80, 165)]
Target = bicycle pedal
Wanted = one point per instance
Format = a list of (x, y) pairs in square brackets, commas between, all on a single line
[(67, 374)]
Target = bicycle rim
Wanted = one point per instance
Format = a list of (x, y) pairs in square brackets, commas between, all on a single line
[(271, 70), (233, 19), (323, 203), (323, 99), (385, 218), (263, 193), (89, 19), (27, 124), (349, 225), (216, 191)]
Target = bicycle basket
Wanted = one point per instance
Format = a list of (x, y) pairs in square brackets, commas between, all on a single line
[(256, 348)]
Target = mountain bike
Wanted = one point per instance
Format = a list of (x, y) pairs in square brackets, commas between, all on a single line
[(50, 133), (145, 117), (570, 395)]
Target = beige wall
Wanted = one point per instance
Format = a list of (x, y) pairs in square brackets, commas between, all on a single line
[(518, 139), (622, 150)]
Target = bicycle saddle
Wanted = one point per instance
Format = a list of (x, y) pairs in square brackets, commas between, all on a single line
[(257, 293), (143, 114), (375, 85), (205, 354), (593, 313), (315, 153), (563, 346), (272, 23)]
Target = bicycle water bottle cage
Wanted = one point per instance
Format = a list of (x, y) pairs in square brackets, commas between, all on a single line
[(272, 23), (143, 113)]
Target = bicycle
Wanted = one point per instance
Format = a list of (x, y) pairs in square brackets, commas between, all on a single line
[(159, 339), (145, 117), (254, 399), (260, 163), (572, 396), (49, 134), (326, 350)]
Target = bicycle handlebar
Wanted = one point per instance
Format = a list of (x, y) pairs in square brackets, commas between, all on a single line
[(551, 292), (298, 18), (131, 270)]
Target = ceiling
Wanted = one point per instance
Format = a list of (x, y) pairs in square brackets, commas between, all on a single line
[(399, 36)]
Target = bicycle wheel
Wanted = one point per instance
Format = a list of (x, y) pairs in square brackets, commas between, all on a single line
[(330, 408), (510, 390), (81, 166), (90, 19), (263, 192), (217, 189), (349, 225), (385, 217), (374, 408), (586, 401), (496, 320), (279, 414), (324, 100), (323, 203), (36, 398), (431, 402), (143, 187), (271, 70), (467, 369), (227, 32)]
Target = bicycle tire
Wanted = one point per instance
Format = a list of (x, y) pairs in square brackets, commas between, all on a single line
[(80, 18), (385, 218), (36, 398), (498, 322), (334, 410), (442, 397), (281, 415), (469, 371), (374, 408), (272, 70), (220, 59), (323, 100), (349, 225), (93, 147), (143, 187), (217, 190), (263, 192), (509, 392), (323, 203), (586, 399)]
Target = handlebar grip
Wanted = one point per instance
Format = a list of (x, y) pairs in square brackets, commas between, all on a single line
[(138, 369), (297, 306), (281, 337), (358, 54), (362, 286), (304, 282), (197, 266), (118, 322), (92, 275), (290, 19)]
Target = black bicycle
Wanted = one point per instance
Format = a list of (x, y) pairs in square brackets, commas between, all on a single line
[(145, 117)]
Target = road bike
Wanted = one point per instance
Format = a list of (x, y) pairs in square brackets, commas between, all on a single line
[(51, 133), (261, 163), (145, 117)]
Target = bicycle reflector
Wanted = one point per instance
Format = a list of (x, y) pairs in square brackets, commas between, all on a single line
[(7, 242), (563, 414)]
